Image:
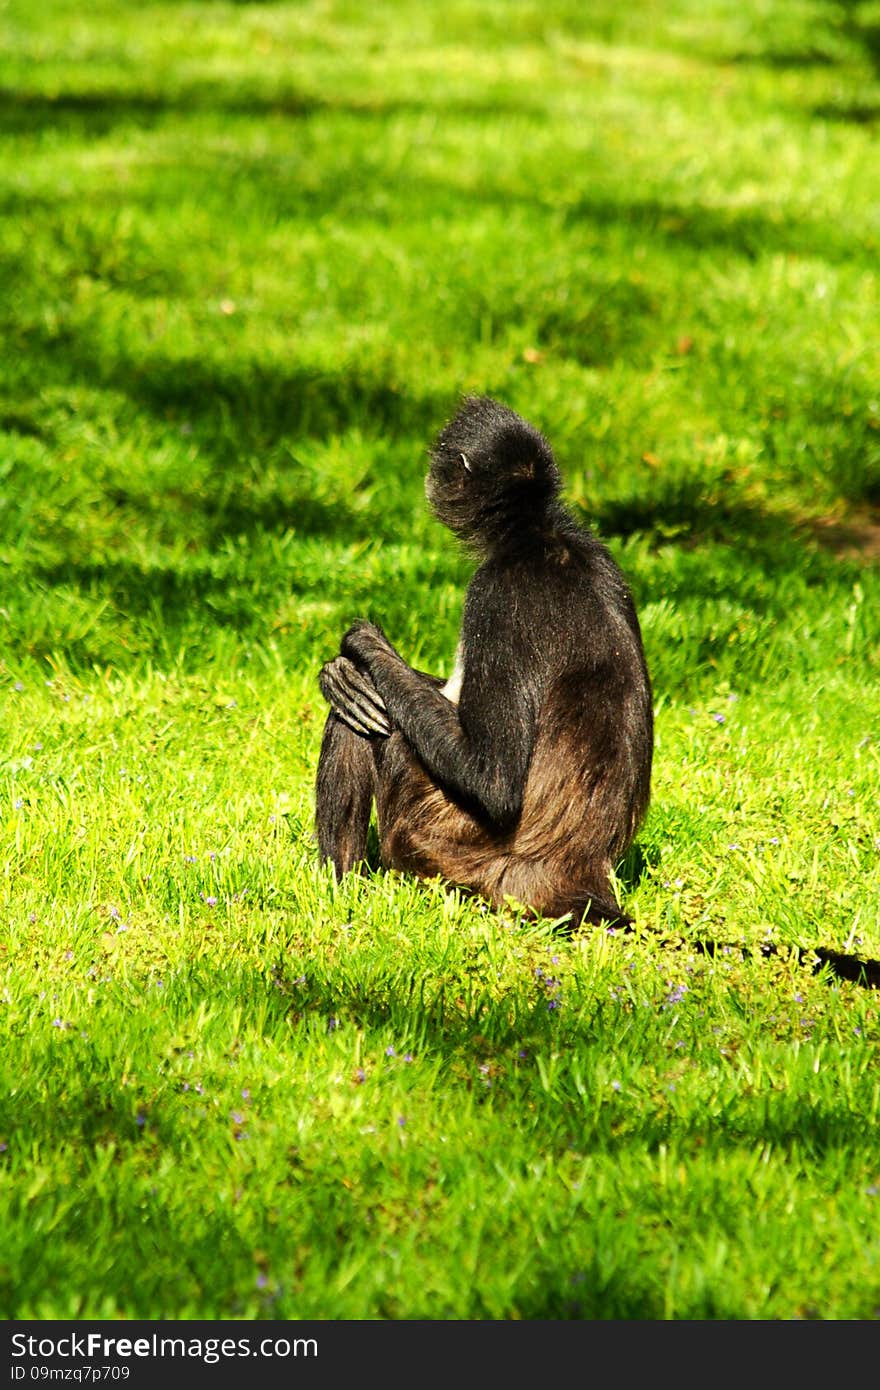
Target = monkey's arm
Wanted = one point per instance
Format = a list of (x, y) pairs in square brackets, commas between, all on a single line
[(479, 751)]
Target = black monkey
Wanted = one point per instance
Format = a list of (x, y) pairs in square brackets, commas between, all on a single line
[(527, 774)]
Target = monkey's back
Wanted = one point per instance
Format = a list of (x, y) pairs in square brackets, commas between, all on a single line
[(572, 646), (588, 781)]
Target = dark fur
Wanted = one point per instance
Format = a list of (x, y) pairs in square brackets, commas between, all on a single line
[(534, 785)]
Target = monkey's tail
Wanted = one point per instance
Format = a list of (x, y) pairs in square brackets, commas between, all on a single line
[(859, 970)]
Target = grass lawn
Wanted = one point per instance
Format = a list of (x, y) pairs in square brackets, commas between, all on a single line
[(251, 255)]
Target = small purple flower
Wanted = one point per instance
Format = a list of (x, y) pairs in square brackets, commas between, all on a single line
[(552, 1004), (237, 1117), (407, 1056), (719, 718), (58, 1023), (401, 1120), (676, 995), (19, 802), (390, 1052), (18, 686), (332, 1024), (245, 1095), (262, 1281), (210, 901), (3, 1146), (615, 1085), (140, 1119)]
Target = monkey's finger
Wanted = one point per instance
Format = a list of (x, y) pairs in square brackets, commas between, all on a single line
[(330, 678), (343, 680), (353, 721), (341, 671), (360, 687), (357, 703), (367, 721), (350, 713)]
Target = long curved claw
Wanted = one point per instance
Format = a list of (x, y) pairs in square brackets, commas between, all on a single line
[(353, 697)]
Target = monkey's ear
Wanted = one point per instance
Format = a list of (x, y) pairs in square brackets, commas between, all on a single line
[(466, 461)]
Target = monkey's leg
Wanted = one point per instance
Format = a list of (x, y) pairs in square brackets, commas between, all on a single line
[(344, 790)]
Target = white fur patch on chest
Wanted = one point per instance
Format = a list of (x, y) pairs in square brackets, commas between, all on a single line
[(452, 688)]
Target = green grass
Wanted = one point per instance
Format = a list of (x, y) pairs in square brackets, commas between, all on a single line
[(250, 257)]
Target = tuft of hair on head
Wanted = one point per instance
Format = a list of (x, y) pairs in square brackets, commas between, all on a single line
[(493, 436), (489, 467)]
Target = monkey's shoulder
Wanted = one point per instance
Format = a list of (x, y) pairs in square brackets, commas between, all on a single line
[(557, 563)]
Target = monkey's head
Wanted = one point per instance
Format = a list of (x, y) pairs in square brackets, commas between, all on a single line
[(491, 472)]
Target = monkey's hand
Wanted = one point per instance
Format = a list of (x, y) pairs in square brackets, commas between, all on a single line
[(354, 698), (364, 642)]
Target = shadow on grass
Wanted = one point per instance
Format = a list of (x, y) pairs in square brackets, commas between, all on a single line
[(683, 512), (240, 405), (238, 411), (703, 228), (863, 30), (180, 595), (159, 1115), (865, 113), (93, 114), (272, 176), (861, 24), (317, 993)]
